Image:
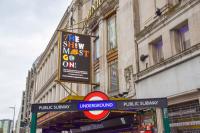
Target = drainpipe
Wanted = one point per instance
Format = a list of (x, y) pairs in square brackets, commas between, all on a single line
[(137, 57), (136, 21)]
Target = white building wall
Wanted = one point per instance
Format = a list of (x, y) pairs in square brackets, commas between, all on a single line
[(102, 59), (176, 80), (183, 77), (126, 40), (146, 16)]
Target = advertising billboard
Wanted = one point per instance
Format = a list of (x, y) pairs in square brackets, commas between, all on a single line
[(74, 60)]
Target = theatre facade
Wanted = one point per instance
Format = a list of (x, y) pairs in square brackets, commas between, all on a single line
[(134, 54)]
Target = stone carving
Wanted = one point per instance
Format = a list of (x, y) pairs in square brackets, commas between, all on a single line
[(128, 74)]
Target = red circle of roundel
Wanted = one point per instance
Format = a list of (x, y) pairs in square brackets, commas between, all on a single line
[(104, 113)]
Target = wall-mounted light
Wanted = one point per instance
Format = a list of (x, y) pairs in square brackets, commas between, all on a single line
[(158, 12), (143, 57)]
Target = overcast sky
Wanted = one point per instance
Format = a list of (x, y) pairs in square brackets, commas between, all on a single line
[(26, 27)]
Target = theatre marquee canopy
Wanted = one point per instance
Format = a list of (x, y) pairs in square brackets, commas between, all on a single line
[(101, 105)]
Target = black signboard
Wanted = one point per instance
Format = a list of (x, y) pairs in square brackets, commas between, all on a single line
[(75, 56), (48, 107), (108, 124), (92, 105), (142, 103)]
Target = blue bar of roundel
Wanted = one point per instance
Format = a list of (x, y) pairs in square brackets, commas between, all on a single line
[(97, 105)]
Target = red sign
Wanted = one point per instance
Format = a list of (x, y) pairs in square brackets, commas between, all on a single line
[(96, 115)]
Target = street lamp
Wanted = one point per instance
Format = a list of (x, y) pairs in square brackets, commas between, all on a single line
[(13, 117)]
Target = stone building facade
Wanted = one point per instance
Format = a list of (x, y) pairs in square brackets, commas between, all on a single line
[(23, 119), (140, 49), (167, 47)]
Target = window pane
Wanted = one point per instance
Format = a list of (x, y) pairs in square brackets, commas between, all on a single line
[(184, 37), (112, 43), (113, 76), (97, 77), (157, 51), (96, 46)]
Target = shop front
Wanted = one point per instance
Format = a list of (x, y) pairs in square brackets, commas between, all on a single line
[(77, 122), (117, 122), (117, 125), (147, 120), (185, 117), (127, 117)]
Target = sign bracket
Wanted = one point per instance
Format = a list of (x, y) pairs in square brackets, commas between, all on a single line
[(69, 90)]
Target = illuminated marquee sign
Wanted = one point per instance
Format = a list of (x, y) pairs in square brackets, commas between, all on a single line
[(97, 105), (74, 58), (103, 104)]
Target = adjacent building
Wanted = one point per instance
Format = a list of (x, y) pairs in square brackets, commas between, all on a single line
[(140, 49), (168, 55), (23, 120), (20, 122), (6, 126)]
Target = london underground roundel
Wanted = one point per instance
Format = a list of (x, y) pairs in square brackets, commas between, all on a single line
[(96, 115)]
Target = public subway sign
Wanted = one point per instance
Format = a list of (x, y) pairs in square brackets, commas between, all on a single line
[(97, 101), (74, 57), (49, 107), (96, 105), (142, 103)]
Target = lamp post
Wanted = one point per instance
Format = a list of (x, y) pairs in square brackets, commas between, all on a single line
[(13, 117)]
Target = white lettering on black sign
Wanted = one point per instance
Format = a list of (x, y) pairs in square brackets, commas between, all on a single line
[(108, 105), (55, 107), (142, 103), (47, 107)]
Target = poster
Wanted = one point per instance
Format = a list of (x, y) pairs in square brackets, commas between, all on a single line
[(75, 54)]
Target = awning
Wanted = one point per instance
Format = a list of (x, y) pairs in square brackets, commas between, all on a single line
[(71, 120)]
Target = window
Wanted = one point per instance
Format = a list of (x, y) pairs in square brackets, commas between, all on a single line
[(113, 76), (96, 46), (112, 35), (71, 21), (184, 39), (96, 80), (157, 49), (181, 38)]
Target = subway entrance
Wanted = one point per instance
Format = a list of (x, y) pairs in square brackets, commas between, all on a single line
[(125, 116)]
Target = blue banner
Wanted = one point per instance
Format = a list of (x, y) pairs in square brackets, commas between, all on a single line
[(97, 105)]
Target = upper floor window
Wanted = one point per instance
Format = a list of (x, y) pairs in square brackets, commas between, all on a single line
[(181, 38), (113, 76), (96, 46), (112, 35), (184, 38), (157, 49)]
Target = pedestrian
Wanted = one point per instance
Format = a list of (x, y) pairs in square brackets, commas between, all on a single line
[(149, 128), (143, 128)]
